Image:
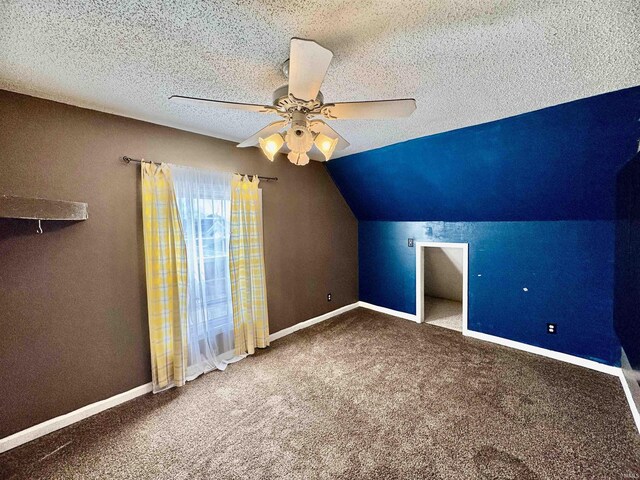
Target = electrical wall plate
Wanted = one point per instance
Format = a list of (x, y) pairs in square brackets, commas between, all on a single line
[(552, 328), (410, 242), (328, 297)]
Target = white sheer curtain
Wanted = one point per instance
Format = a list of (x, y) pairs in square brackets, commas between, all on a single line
[(204, 204)]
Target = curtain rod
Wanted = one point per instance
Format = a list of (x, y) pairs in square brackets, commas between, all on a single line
[(135, 160)]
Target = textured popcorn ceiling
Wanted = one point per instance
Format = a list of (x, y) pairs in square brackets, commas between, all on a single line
[(465, 62)]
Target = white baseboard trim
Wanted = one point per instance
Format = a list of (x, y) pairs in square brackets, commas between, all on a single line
[(629, 380), (511, 343), (31, 433), (67, 419), (626, 374), (311, 321), (388, 311), (563, 357)]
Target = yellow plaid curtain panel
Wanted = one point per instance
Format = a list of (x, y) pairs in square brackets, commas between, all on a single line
[(246, 261), (166, 274)]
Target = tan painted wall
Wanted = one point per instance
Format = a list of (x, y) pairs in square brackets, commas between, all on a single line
[(443, 273), (72, 301)]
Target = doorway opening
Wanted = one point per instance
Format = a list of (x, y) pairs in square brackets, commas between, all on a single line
[(442, 284)]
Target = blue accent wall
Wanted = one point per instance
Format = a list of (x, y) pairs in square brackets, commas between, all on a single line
[(559, 163), (566, 266), (533, 195), (627, 275)]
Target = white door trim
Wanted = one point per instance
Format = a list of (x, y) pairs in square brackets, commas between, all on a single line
[(420, 246)]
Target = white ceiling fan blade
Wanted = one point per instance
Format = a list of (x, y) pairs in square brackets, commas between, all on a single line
[(373, 109), (319, 126), (315, 154), (308, 64), (249, 107), (264, 133)]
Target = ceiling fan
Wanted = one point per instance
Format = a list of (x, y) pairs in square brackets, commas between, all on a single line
[(300, 102)]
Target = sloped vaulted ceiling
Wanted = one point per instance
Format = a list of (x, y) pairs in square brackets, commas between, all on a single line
[(558, 163), (466, 62)]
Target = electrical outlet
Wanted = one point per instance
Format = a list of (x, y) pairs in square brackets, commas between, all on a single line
[(410, 242), (551, 328), (328, 297)]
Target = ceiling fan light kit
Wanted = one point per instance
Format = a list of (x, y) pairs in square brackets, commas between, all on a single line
[(271, 145), (299, 102), (298, 158), (325, 144)]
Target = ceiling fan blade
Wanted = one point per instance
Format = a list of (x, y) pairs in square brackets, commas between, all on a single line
[(265, 132), (308, 64), (249, 107), (319, 126), (315, 154), (373, 109)]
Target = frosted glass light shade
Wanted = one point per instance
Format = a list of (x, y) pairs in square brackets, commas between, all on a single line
[(299, 139), (271, 145), (298, 158), (325, 144)]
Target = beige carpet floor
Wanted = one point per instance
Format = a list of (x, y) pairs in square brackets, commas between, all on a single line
[(364, 395), (443, 313)]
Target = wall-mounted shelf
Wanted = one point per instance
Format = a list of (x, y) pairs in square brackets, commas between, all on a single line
[(41, 209)]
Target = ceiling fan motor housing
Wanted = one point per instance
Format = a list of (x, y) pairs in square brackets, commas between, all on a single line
[(285, 103)]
